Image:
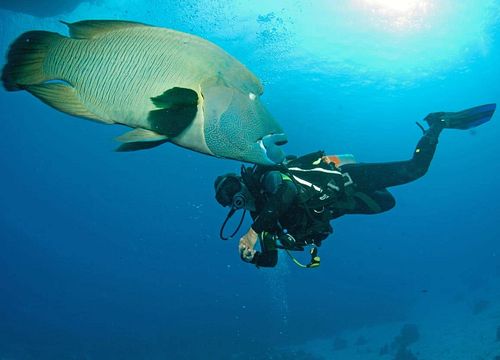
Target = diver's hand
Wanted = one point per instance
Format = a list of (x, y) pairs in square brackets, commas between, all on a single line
[(247, 244)]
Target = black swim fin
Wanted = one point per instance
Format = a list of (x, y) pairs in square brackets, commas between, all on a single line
[(463, 120)]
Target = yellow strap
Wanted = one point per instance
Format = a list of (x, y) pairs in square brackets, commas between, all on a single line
[(314, 263), (285, 177)]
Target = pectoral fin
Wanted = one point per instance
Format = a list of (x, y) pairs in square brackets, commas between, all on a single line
[(177, 109)]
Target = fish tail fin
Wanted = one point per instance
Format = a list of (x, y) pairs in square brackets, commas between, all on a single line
[(25, 59)]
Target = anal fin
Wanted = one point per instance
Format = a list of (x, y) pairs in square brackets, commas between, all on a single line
[(135, 146), (64, 98), (140, 139), (141, 135)]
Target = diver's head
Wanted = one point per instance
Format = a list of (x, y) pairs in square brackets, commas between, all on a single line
[(231, 191), (226, 186)]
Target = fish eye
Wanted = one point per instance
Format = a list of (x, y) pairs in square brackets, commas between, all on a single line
[(252, 96)]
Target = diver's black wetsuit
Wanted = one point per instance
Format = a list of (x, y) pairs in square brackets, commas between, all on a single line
[(294, 204), (280, 210), (374, 178)]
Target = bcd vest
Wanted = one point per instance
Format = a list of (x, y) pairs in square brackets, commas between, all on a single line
[(320, 183)]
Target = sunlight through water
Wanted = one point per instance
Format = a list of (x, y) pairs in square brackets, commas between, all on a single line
[(399, 15), (400, 6)]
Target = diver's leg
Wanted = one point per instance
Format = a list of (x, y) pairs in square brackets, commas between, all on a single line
[(371, 177), (376, 176), (370, 202)]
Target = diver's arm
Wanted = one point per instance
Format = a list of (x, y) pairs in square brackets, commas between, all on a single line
[(263, 258), (282, 195)]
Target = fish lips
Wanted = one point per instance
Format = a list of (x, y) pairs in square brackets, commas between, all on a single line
[(271, 147)]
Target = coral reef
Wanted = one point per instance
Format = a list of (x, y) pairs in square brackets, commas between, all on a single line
[(296, 355), (360, 341), (407, 336), (404, 354), (480, 306), (339, 344), (276, 354), (384, 350)]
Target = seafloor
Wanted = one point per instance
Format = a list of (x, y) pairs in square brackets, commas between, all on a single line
[(467, 329)]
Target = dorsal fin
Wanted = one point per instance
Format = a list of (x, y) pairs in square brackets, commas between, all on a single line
[(88, 29)]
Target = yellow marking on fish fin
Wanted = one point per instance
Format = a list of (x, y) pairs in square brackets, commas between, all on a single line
[(64, 98), (88, 29), (140, 135)]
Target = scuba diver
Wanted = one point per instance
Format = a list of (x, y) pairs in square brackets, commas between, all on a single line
[(292, 204)]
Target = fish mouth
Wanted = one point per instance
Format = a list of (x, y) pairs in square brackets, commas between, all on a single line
[(270, 145)]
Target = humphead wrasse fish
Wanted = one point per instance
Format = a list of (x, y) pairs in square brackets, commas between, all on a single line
[(166, 85)]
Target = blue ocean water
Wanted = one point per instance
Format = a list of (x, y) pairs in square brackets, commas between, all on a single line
[(107, 255)]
